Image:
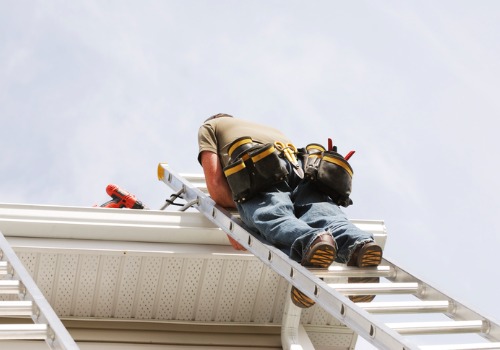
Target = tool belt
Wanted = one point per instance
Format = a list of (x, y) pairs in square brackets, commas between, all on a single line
[(329, 172), (252, 168)]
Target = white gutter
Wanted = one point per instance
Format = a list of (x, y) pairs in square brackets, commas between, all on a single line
[(96, 223), (47, 221)]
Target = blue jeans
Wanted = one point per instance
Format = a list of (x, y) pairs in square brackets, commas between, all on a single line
[(291, 214)]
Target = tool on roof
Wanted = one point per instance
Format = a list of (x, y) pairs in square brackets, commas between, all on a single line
[(121, 199)]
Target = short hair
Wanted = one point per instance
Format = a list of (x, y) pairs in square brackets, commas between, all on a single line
[(219, 115)]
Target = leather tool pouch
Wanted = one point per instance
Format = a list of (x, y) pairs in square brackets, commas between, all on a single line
[(238, 178), (253, 171), (312, 158), (330, 173)]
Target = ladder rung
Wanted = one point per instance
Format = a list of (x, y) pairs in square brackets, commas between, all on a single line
[(352, 271), (447, 327), (16, 308), (9, 287), (375, 288), (394, 307), (23, 331), (4, 268), (475, 346)]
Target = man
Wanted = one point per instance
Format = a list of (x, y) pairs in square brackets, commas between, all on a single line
[(273, 199)]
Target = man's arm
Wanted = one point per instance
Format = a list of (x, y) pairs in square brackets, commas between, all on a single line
[(216, 181), (217, 186)]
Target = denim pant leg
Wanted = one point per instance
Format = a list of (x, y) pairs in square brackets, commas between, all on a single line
[(271, 214), (317, 210)]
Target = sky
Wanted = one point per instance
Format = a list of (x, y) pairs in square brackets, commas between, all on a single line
[(99, 92)]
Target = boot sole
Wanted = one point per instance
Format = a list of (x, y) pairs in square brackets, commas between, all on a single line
[(300, 299), (321, 256), (369, 255)]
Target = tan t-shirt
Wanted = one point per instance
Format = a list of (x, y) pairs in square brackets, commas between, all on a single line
[(217, 134)]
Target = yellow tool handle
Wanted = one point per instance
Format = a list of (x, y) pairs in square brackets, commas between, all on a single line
[(289, 154)]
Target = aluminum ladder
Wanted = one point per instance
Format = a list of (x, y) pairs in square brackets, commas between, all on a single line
[(448, 319), (16, 283)]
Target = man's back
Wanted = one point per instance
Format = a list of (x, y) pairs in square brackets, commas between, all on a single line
[(217, 134)]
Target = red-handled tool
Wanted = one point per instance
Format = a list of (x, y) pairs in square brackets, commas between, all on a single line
[(121, 199)]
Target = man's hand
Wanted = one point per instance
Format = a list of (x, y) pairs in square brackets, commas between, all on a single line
[(235, 244)]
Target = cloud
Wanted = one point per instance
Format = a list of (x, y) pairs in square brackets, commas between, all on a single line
[(93, 93)]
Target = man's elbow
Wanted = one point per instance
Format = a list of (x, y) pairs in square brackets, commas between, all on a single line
[(222, 196), (223, 200)]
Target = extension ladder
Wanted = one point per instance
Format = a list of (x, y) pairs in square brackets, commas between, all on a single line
[(449, 319), (16, 283)]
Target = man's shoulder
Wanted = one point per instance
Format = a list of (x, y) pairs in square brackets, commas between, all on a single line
[(223, 121)]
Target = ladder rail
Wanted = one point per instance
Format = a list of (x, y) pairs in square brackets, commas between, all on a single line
[(329, 299), (58, 336), (323, 287)]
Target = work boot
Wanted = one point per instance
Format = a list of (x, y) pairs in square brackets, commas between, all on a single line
[(321, 253), (368, 254)]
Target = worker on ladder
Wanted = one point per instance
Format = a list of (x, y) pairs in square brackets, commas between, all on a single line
[(289, 196)]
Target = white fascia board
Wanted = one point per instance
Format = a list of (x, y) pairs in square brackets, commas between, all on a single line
[(96, 223), (45, 221)]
